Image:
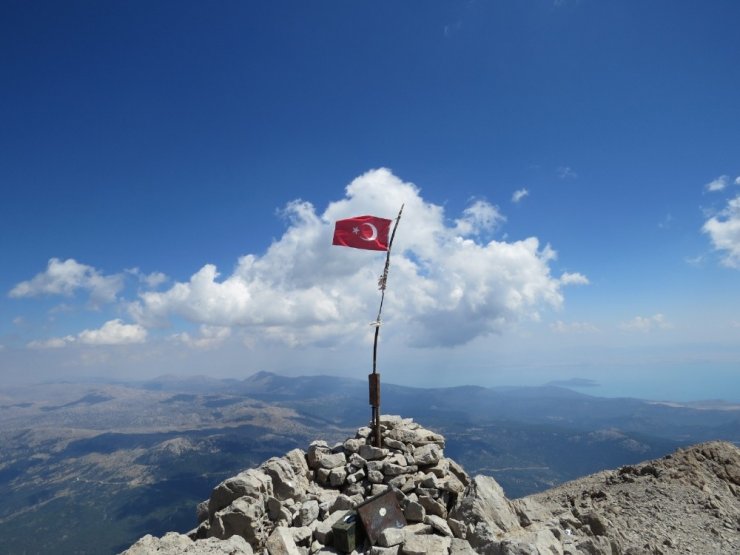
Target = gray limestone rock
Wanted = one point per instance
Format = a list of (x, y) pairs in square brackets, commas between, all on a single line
[(342, 502), (390, 469), (460, 547), (425, 545), (353, 445), (439, 524), (427, 455), (433, 506), (281, 542), (416, 437), (414, 512), (394, 444), (331, 460), (286, 484), (418, 528), (243, 518), (371, 453), (201, 511), (337, 476), (302, 535), (458, 528), (484, 501), (316, 450), (307, 513), (173, 543), (391, 536), (251, 483)]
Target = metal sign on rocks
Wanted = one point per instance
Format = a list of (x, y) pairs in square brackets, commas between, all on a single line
[(379, 513)]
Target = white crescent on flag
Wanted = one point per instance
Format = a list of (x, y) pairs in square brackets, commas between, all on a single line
[(374, 235)]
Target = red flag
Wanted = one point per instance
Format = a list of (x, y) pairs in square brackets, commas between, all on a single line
[(363, 232)]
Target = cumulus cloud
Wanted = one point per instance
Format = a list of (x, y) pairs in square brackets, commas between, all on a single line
[(573, 279), (150, 280), (737, 180), (519, 195), (113, 332), (646, 324), (573, 327), (479, 217), (447, 286), (724, 232), (718, 184), (53, 343), (68, 276), (208, 337)]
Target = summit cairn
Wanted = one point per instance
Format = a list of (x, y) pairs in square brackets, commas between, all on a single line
[(407, 498)]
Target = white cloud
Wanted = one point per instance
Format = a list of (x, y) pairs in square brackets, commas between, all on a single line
[(573, 279), (150, 280), (646, 323), (208, 338), (718, 184), (519, 195), (479, 217), (573, 327), (737, 180), (446, 286), (68, 276), (724, 232), (53, 343), (113, 332), (566, 172)]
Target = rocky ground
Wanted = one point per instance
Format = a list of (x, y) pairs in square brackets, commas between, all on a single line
[(688, 502)]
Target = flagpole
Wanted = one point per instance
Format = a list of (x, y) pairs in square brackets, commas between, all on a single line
[(374, 378)]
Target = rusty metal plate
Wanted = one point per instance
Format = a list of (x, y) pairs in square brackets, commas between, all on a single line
[(374, 383), (379, 513)]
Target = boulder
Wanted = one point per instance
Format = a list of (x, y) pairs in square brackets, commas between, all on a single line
[(281, 542), (250, 483), (286, 484), (173, 543), (427, 455), (245, 518), (425, 545), (307, 513)]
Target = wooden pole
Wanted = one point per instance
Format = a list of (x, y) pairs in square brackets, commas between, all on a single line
[(374, 378)]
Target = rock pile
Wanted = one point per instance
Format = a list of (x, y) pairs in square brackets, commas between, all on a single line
[(299, 503)]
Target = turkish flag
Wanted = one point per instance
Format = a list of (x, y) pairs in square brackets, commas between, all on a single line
[(363, 232)]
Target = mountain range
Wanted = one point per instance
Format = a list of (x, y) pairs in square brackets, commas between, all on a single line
[(88, 467)]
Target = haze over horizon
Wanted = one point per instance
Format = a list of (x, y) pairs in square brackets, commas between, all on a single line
[(171, 174)]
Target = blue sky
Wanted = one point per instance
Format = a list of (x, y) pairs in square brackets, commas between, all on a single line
[(170, 173)]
